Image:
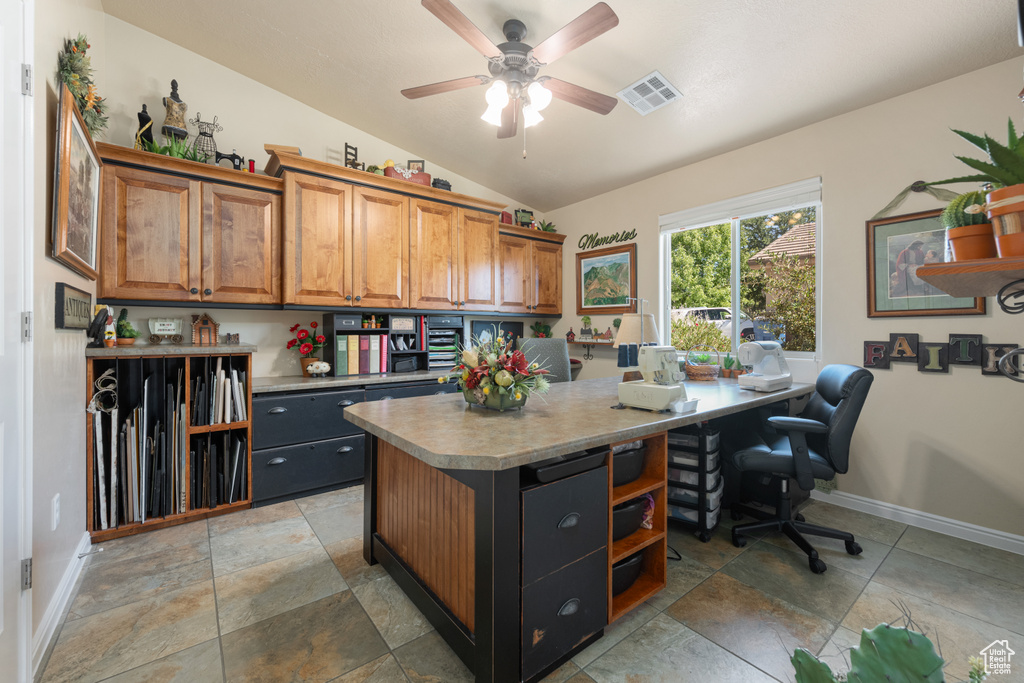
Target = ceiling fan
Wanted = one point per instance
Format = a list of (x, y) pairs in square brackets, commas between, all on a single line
[(514, 67)]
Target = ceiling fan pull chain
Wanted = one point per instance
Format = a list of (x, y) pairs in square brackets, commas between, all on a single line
[(524, 142)]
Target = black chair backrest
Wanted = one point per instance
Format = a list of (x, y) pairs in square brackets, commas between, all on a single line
[(838, 397)]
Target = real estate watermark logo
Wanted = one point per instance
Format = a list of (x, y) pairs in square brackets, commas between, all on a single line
[(997, 657)]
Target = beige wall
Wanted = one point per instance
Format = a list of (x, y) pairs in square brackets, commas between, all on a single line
[(942, 444)]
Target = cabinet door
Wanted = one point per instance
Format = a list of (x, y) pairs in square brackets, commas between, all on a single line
[(433, 235), (150, 243), (380, 249), (515, 278), (478, 260), (317, 241), (241, 245), (547, 278)]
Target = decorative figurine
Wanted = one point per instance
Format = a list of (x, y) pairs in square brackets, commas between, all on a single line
[(205, 144), (235, 159), (145, 133), (204, 330), (352, 158), (174, 121), (570, 336)]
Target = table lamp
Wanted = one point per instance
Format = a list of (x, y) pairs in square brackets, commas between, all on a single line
[(636, 330)]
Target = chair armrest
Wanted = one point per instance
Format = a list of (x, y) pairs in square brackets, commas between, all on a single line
[(797, 429), (799, 424)]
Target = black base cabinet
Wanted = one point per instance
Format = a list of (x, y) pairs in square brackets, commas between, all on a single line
[(280, 474)]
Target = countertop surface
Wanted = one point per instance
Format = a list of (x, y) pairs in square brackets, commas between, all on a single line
[(143, 349), (448, 433), (270, 385)]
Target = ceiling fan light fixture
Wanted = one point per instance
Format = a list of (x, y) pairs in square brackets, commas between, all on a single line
[(531, 117), (497, 99), (540, 97)]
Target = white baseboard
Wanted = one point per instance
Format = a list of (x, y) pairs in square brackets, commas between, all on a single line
[(925, 520), (55, 610)]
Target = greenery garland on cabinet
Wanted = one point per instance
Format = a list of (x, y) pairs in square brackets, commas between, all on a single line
[(74, 69)]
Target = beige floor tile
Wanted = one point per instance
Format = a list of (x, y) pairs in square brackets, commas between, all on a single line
[(198, 664), (250, 595), (313, 643), (681, 576), (253, 517), (860, 524), (833, 552), (999, 564), (322, 501), (615, 633), (149, 542), (101, 645), (715, 553), (384, 669), (581, 677), (428, 659), (338, 522), (394, 615), (348, 557), (249, 545), (761, 629)]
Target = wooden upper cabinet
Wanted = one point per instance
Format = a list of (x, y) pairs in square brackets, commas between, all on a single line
[(515, 276), (547, 278), (380, 249), (241, 245), (148, 249), (317, 241), (478, 260), (433, 250)]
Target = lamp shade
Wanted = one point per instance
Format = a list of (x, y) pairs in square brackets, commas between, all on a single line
[(630, 329)]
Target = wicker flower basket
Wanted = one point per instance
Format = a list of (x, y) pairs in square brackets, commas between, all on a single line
[(700, 372)]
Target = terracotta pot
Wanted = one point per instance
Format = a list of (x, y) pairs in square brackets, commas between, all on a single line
[(972, 242), (109, 343), (125, 341), (306, 362), (1006, 209)]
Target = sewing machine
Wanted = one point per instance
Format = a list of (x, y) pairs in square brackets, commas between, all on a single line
[(770, 372), (658, 390)]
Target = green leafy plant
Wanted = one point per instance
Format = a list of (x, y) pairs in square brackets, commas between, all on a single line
[(700, 358), (690, 332), (885, 653), (586, 321), (617, 323), (74, 69), (180, 149), (728, 361), (965, 210), (540, 330), (1005, 165), (124, 328), (546, 226)]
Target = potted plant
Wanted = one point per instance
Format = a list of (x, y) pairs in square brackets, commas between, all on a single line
[(1004, 170), (494, 376), (546, 226), (308, 342), (967, 228), (698, 365), (541, 330), (126, 334), (585, 331), (727, 363)]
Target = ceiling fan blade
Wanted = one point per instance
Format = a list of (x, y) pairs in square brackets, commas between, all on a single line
[(509, 120), (574, 94), (444, 86), (580, 30), (458, 22)]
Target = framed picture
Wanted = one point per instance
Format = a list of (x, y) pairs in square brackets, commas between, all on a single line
[(524, 218), (484, 330), (416, 165), (897, 247), (76, 191), (606, 280)]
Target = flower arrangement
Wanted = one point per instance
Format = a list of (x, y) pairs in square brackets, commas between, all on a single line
[(308, 342), (541, 330), (75, 69), (492, 370)]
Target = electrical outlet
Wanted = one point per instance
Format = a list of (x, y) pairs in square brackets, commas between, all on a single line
[(55, 514)]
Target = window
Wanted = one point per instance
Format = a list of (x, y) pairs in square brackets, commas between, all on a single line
[(758, 268)]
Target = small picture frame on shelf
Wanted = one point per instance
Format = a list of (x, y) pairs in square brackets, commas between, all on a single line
[(524, 218), (417, 165)]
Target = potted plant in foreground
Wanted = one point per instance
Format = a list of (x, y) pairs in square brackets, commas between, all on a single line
[(126, 333), (494, 376), (967, 228)]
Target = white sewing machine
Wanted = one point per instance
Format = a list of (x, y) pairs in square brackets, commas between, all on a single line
[(659, 366), (770, 373)]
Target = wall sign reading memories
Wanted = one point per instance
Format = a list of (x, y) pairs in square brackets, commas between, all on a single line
[(961, 349)]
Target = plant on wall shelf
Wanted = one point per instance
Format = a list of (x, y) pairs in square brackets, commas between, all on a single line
[(123, 328), (1005, 165), (541, 330)]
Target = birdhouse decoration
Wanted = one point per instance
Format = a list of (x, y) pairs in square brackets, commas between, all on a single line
[(204, 330)]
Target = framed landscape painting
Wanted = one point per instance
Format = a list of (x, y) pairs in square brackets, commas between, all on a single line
[(76, 191), (606, 281), (897, 247)]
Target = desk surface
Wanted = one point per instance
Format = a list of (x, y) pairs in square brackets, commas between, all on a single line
[(445, 432)]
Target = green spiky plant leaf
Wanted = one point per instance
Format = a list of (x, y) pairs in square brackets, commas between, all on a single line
[(1005, 166), (961, 212), (810, 669), (886, 653)]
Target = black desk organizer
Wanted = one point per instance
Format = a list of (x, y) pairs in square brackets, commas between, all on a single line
[(703, 444)]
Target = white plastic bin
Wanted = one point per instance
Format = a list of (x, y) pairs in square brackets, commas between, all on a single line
[(690, 459), (677, 495), (690, 516), (711, 479)]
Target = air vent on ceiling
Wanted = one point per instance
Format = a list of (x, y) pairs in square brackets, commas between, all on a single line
[(649, 93)]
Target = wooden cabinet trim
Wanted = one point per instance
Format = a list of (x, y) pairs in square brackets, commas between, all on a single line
[(295, 289), (530, 234)]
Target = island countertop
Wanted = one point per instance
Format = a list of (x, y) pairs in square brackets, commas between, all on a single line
[(447, 433)]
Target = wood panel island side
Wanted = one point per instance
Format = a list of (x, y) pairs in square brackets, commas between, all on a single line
[(513, 572)]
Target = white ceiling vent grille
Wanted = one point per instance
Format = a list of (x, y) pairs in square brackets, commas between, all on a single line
[(650, 93)]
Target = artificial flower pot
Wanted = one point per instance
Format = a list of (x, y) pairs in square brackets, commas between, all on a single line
[(1006, 209), (972, 242), (125, 341), (306, 362), (493, 399)]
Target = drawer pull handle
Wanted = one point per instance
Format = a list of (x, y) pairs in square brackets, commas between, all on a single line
[(345, 449), (571, 607), (278, 461), (277, 411), (345, 404), (440, 393), (569, 521), (386, 398)]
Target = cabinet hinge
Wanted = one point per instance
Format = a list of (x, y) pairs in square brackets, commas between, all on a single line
[(26, 326), (26, 574), (26, 79)]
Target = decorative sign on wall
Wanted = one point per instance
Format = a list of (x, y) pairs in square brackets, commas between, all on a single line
[(73, 308), (592, 240), (961, 349)]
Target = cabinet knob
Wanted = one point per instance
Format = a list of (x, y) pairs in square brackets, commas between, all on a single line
[(278, 461), (277, 411), (359, 298), (207, 292), (194, 290), (571, 607), (348, 297), (345, 449), (462, 303), (569, 521), (345, 404)]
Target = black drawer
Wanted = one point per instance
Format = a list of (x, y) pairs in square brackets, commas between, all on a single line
[(563, 521), (562, 610), (387, 393), (279, 420), (446, 321), (289, 470)]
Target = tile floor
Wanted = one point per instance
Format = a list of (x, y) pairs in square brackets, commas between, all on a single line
[(281, 593)]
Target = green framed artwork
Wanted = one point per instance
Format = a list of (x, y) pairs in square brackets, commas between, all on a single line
[(897, 247), (606, 281)]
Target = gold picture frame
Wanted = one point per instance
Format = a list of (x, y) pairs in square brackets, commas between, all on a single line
[(76, 191), (616, 291)]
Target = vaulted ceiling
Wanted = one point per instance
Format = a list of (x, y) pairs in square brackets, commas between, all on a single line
[(748, 70)]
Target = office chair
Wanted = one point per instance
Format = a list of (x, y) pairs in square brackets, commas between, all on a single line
[(815, 445), (551, 353)]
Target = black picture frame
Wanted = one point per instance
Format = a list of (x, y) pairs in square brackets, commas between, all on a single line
[(524, 218), (416, 165), (482, 330)]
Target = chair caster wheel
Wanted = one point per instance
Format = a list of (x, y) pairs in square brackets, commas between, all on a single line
[(735, 515), (853, 548), (817, 566), (799, 518), (738, 541), (704, 537)]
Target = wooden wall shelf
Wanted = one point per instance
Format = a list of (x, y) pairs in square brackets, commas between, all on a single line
[(981, 277)]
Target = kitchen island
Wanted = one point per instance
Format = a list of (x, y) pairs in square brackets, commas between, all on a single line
[(514, 573)]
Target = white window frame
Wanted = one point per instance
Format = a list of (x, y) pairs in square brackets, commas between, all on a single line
[(773, 200)]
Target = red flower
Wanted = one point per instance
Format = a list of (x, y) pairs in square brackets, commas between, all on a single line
[(291, 343), (306, 348), (517, 363), (293, 327), (320, 339), (301, 334), (313, 324), (541, 335)]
